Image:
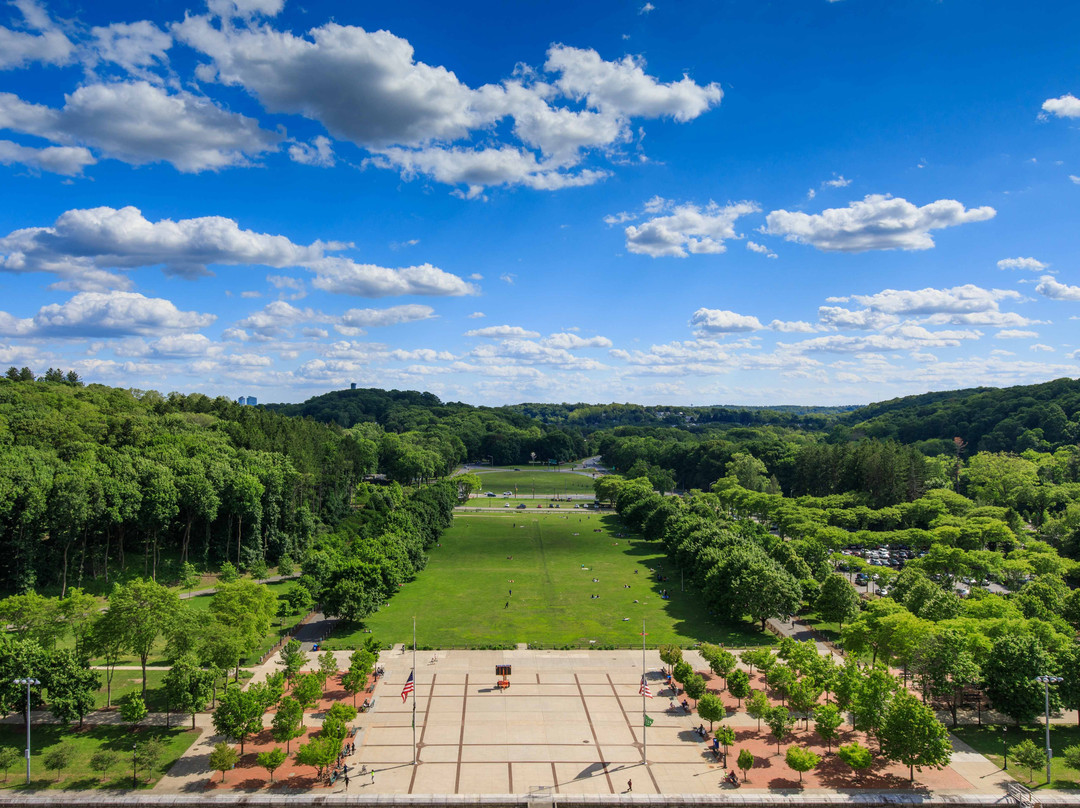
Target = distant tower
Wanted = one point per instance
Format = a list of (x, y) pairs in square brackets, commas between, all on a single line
[(352, 386), (241, 401), (252, 401)]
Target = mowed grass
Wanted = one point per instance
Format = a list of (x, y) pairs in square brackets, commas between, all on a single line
[(463, 599), (529, 481), (507, 503), (989, 741)]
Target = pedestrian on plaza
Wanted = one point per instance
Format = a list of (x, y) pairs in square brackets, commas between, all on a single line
[(372, 777), (346, 781), (629, 785)]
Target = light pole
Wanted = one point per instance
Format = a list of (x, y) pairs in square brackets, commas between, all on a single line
[(35, 683), (1005, 748), (1046, 682), (134, 765)]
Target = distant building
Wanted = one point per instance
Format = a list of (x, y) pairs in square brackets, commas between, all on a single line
[(247, 401), (241, 401), (352, 386)]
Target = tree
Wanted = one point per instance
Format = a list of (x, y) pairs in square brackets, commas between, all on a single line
[(681, 672), (911, 734), (739, 685), (107, 640), (838, 601), (803, 697), (1028, 755), (223, 758), (361, 663), (103, 760), (670, 655), (780, 723), (721, 662), (726, 736), (292, 656), (711, 708), (59, 757), (72, 686), (307, 689), (79, 610), (286, 723), (801, 759), (271, 759), (188, 686), (745, 761), (247, 608), (827, 721), (238, 715), (319, 753), (781, 677), (871, 701), (695, 686), (945, 667), (757, 706), (856, 756), (148, 753), (760, 658), (133, 709), (9, 756), (1071, 755), (341, 712), (145, 610), (1009, 674), (228, 573), (327, 666)]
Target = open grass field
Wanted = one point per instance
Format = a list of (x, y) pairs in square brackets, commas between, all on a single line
[(85, 743), (128, 681), (548, 560), (530, 503), (987, 741), (529, 481)]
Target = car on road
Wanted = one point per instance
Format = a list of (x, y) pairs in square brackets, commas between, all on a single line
[(489, 494), (522, 506)]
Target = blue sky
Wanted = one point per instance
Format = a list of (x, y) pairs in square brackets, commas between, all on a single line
[(675, 203)]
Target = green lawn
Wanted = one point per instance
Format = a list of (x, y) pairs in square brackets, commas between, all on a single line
[(987, 741), (125, 682), (462, 598), (507, 503), (529, 481), (79, 775)]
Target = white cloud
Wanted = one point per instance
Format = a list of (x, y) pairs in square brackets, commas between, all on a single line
[(245, 9), (68, 161), (1012, 333), (275, 319), (966, 298), (645, 9), (839, 317), (1022, 263), (761, 249), (184, 345), (720, 321), (1038, 346), (792, 326), (346, 277), (135, 46), (476, 315), (508, 278), (105, 314), (619, 218), (503, 331), (48, 45), (687, 229), (319, 153), (1057, 291), (1074, 179), (572, 342), (377, 318), (836, 182), (139, 123), (1067, 106), (878, 222)]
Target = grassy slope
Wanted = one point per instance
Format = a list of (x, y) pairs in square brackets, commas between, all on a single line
[(462, 599), (988, 741), (535, 481)]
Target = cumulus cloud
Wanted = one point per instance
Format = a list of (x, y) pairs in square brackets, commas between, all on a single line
[(134, 46), (140, 123), (966, 298), (687, 229), (41, 41), (90, 314), (1013, 333), (792, 326), (878, 222), (476, 315), (317, 153), (346, 277), (377, 318), (1057, 291), (68, 161), (761, 249), (1038, 346), (572, 342), (720, 321), (862, 319), (836, 182), (275, 319), (1022, 263), (1066, 106), (503, 332)]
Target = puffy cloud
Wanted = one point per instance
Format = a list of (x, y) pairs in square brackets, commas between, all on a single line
[(503, 332), (139, 123), (619, 218), (476, 315), (285, 282), (184, 345), (66, 160), (1066, 106), (508, 278), (761, 249), (792, 326), (1038, 346), (82, 239), (275, 319), (374, 318), (1012, 333), (839, 317), (529, 352), (905, 336), (720, 321), (878, 222), (687, 229), (1057, 291), (48, 45), (319, 153), (966, 298), (134, 46), (245, 9), (346, 277), (836, 182), (106, 314), (1022, 263), (573, 341)]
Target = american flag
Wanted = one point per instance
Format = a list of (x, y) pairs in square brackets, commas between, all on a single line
[(644, 689), (405, 691)]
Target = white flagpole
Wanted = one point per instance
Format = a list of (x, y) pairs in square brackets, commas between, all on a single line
[(644, 724), (414, 691)]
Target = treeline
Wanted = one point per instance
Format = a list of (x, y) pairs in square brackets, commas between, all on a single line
[(91, 474)]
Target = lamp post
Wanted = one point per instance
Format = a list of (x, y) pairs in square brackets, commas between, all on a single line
[(1046, 682), (35, 682), (134, 765), (1005, 748)]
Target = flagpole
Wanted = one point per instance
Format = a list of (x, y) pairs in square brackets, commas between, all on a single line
[(414, 692), (644, 724)]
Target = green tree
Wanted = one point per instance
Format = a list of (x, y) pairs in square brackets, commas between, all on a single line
[(781, 677), (319, 753), (228, 573), (670, 655), (757, 706), (1029, 756), (872, 699), (681, 672), (911, 734), (133, 709), (726, 736), (188, 687), (286, 724), (9, 756), (711, 708), (34, 616), (801, 759), (945, 667), (856, 756), (148, 753), (248, 609), (1009, 675), (79, 610), (1071, 755), (271, 760), (739, 685), (223, 758), (307, 689), (144, 609), (745, 761), (780, 723), (361, 664), (59, 757), (238, 715), (72, 686), (721, 663), (695, 686), (285, 565), (838, 601), (327, 665), (292, 656), (103, 760), (803, 697), (827, 720), (341, 712)]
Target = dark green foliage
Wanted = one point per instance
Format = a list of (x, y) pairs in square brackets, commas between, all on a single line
[(1009, 675)]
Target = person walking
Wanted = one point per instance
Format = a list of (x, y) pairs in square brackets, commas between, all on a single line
[(629, 785), (346, 781), (372, 777)]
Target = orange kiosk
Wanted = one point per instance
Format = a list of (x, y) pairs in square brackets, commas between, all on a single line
[(504, 672)]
